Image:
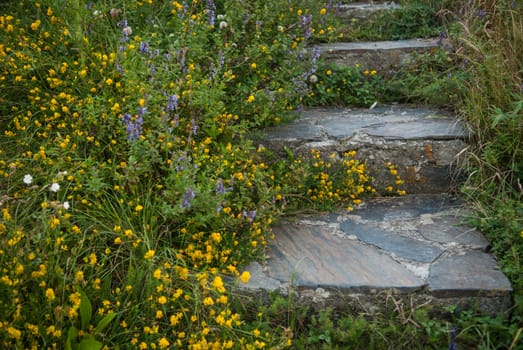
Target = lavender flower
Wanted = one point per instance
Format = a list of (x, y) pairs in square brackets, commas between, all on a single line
[(133, 127), (306, 23), (210, 7), (189, 194), (144, 47), (172, 103), (251, 215), (222, 58), (220, 188), (194, 126), (315, 56)]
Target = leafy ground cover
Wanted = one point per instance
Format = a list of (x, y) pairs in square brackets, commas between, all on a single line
[(130, 193)]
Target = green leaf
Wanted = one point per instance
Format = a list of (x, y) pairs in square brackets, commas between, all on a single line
[(89, 343), (72, 333), (86, 310), (104, 322)]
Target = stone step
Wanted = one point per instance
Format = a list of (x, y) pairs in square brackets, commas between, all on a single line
[(412, 248), (382, 56), (363, 11), (422, 143)]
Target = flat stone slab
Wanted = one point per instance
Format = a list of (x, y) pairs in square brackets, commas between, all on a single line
[(421, 142), (401, 244), (363, 11), (310, 255), (393, 122), (379, 55), (470, 273)]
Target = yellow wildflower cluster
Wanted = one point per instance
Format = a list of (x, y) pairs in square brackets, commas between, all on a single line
[(338, 181), (126, 187)]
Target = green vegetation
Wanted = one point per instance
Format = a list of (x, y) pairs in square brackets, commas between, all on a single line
[(131, 196), (413, 19), (491, 48), (130, 192)]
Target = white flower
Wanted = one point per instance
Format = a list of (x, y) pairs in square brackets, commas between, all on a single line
[(223, 25), (28, 179), (66, 205), (55, 187), (313, 79), (127, 31), (220, 17)]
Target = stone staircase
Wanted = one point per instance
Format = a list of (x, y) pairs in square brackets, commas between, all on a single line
[(416, 248)]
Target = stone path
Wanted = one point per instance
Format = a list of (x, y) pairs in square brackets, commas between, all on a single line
[(407, 245), (423, 143), (417, 248)]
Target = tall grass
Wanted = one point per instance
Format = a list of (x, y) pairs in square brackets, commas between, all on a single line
[(491, 46)]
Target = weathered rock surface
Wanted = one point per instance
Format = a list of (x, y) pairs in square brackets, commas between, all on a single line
[(415, 247), (424, 144), (382, 56), (363, 11)]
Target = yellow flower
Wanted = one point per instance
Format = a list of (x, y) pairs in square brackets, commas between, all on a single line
[(329, 72), (162, 300), (250, 99), (54, 222), (163, 343), (92, 259), (149, 255), (109, 81), (323, 11), (253, 65), (49, 294), (14, 333), (245, 276), (138, 208), (79, 276), (217, 284)]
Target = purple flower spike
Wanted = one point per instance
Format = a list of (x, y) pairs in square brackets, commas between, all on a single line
[(172, 103), (186, 202)]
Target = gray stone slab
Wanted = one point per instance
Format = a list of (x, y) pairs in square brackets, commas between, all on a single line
[(407, 207), (401, 246), (383, 122), (451, 229), (363, 11), (299, 130), (435, 129), (381, 56), (377, 45), (473, 273), (259, 279), (347, 127), (311, 255)]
